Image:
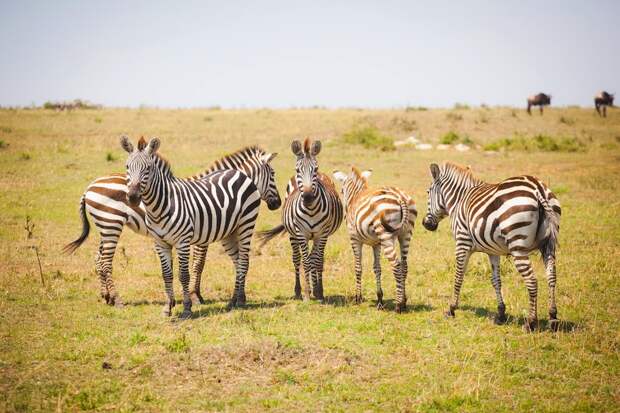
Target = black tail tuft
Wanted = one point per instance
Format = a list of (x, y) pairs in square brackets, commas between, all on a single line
[(266, 236), (553, 221), (72, 246)]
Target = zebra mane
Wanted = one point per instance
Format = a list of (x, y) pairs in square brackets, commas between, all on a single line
[(236, 158), (358, 175), (463, 171)]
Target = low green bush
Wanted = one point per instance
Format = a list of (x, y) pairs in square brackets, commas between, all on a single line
[(369, 137), (544, 143)]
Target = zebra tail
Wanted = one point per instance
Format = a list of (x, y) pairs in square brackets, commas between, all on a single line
[(266, 236), (553, 221), (404, 209), (72, 246)]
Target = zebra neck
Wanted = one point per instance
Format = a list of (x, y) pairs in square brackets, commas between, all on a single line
[(158, 195), (455, 192), (355, 193)]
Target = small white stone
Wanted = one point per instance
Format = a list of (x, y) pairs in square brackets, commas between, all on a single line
[(424, 146), (461, 148), (443, 147)]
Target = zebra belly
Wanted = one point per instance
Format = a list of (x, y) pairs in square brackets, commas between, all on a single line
[(108, 213)]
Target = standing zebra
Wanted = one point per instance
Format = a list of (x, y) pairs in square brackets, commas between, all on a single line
[(106, 202), (513, 217), (312, 212), (378, 218)]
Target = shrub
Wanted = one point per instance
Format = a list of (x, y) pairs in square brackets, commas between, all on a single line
[(540, 142), (451, 116), (110, 157), (461, 106), (3, 144), (567, 121), (415, 108), (405, 124), (25, 156), (6, 129), (178, 345), (370, 138), (449, 138), (98, 120)]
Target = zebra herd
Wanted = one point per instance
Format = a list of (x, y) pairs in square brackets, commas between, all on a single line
[(514, 217)]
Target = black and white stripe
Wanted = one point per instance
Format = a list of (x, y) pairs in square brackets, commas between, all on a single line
[(514, 217), (312, 212)]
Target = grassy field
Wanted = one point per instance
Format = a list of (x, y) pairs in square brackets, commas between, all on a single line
[(61, 348)]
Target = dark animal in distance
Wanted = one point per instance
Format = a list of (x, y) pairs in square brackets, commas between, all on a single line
[(602, 100), (539, 100)]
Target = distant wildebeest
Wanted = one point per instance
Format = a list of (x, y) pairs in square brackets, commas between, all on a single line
[(538, 100), (602, 100)]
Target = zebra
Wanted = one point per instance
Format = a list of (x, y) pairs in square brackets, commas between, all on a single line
[(378, 218), (514, 217), (106, 202), (312, 212)]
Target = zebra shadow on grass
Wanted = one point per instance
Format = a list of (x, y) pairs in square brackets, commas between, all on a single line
[(565, 326), (388, 305), (200, 311)]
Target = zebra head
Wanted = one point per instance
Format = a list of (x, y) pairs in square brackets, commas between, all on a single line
[(139, 166), (353, 183), (436, 205), (306, 169), (266, 182)]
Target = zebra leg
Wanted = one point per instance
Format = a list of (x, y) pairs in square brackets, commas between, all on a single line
[(164, 251), (376, 251), (239, 251), (198, 263), (549, 262), (524, 266), (463, 252), (296, 263), (403, 241), (497, 285), (107, 249), (316, 261), (357, 253), (388, 244), (303, 244), (183, 251)]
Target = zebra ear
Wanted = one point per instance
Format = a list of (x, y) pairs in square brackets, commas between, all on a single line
[(435, 171), (340, 176), (316, 148), (153, 146), (296, 148), (126, 145), (366, 174), (268, 157)]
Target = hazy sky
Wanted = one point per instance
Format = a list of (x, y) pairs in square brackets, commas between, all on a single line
[(287, 53)]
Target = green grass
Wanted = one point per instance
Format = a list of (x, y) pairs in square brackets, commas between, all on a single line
[(62, 349), (370, 138), (539, 142)]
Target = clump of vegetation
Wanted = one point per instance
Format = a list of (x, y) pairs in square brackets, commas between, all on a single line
[(110, 157), (207, 119), (406, 125), (567, 121), (451, 116), (75, 104), (483, 118), (539, 142), (25, 156), (461, 106), (98, 120), (369, 137), (416, 108), (178, 345), (3, 144), (452, 137), (6, 129)]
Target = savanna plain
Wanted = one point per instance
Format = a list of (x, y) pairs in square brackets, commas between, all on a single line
[(63, 349)]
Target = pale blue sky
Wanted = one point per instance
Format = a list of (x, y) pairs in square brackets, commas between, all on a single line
[(287, 53)]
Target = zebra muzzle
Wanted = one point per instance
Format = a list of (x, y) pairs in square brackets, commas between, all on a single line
[(133, 197), (430, 223)]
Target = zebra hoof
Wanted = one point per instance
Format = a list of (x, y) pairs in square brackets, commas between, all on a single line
[(297, 296), (380, 306), (530, 326), (401, 307), (167, 311), (196, 298), (449, 313), (118, 304), (358, 299), (500, 319), (185, 315), (554, 324)]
